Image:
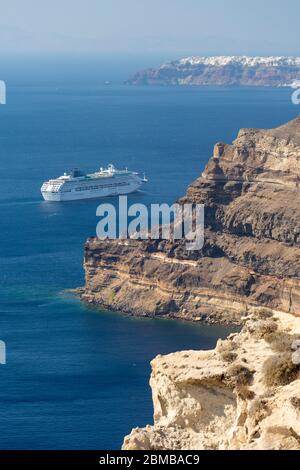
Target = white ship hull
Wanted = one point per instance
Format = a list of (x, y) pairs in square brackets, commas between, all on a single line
[(98, 185), (92, 194)]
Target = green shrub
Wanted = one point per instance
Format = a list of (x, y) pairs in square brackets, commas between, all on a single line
[(112, 296)]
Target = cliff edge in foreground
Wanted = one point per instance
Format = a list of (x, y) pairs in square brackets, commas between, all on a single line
[(251, 255), (244, 395)]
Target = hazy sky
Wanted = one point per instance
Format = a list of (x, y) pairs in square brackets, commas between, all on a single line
[(175, 27)]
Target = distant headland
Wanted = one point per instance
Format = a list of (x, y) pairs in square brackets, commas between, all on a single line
[(223, 71)]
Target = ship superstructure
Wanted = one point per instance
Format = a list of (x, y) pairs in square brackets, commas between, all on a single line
[(105, 182)]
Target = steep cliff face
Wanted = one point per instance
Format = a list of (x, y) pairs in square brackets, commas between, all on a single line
[(222, 70), (250, 259), (244, 395)]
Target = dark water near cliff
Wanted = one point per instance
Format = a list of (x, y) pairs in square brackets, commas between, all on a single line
[(76, 378)]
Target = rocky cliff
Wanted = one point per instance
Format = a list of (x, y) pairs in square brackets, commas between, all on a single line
[(225, 71), (244, 395), (250, 259)]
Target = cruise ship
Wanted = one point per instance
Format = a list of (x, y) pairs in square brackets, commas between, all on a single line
[(105, 182)]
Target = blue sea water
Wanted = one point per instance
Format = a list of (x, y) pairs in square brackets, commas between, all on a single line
[(77, 378)]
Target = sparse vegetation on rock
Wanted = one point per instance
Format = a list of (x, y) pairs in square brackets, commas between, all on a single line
[(280, 341), (280, 370), (210, 403), (244, 392), (264, 328), (228, 356), (295, 401), (238, 374)]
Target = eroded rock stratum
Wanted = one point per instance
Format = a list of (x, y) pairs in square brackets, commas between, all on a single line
[(251, 254)]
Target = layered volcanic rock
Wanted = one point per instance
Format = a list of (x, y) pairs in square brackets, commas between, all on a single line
[(223, 71), (251, 256)]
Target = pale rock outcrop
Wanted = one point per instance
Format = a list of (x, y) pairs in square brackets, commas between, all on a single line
[(223, 399)]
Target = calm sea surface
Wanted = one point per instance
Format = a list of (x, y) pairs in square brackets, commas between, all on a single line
[(76, 378)]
